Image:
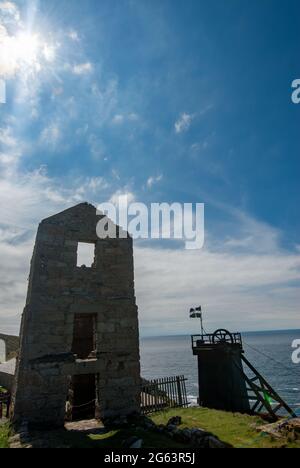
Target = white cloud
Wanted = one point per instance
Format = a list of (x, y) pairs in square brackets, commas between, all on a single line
[(249, 235), (82, 68), (97, 147), (239, 292), (8, 65), (198, 147), (9, 12), (183, 123), (7, 138), (247, 289), (121, 197), (51, 135), (95, 184), (133, 117), (73, 35), (49, 52), (119, 119), (26, 199), (154, 180)]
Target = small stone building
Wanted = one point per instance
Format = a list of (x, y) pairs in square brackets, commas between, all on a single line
[(11, 344), (79, 335)]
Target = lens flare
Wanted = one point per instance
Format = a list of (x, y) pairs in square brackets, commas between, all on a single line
[(23, 48), (24, 52)]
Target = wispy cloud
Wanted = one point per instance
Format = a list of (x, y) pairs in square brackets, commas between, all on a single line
[(154, 180), (9, 12), (119, 119), (183, 123), (122, 196), (73, 35), (185, 120), (82, 68), (7, 138), (51, 135), (97, 147)]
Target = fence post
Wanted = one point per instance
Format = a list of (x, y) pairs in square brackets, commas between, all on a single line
[(180, 403)]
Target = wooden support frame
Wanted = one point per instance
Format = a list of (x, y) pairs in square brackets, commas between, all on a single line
[(260, 387)]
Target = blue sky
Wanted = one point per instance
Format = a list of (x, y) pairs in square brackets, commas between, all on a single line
[(167, 101)]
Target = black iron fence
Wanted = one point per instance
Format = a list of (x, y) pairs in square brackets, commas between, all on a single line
[(160, 394), (220, 337)]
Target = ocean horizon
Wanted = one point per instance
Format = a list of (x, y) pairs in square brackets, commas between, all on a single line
[(247, 332)]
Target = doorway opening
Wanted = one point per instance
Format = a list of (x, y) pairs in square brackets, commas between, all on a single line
[(83, 397)]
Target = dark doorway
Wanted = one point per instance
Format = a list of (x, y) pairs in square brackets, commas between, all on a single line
[(82, 397), (84, 338)]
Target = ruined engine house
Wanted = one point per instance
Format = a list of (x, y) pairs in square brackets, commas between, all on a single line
[(79, 343)]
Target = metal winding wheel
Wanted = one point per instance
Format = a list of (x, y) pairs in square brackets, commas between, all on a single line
[(222, 336)]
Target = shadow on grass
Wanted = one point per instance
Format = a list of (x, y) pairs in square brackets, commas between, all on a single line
[(99, 439)]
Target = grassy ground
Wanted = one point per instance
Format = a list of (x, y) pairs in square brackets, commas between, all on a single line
[(4, 435), (241, 431), (4, 428), (106, 439)]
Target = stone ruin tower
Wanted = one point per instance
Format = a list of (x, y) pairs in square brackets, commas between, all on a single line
[(79, 334)]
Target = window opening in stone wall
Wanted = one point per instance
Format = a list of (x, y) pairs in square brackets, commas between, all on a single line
[(85, 255), (84, 336)]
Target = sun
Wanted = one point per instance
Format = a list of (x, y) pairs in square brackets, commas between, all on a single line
[(25, 52), (24, 48)]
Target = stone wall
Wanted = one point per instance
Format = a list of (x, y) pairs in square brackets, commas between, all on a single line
[(58, 290), (12, 344)]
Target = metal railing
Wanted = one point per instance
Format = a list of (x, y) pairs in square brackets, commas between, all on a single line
[(210, 339), (161, 394)]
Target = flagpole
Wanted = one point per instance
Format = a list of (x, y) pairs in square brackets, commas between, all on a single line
[(201, 322), (197, 313)]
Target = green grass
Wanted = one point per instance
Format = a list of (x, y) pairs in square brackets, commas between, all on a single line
[(4, 428), (4, 435), (239, 430)]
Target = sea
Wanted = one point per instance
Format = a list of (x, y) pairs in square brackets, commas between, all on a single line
[(270, 352)]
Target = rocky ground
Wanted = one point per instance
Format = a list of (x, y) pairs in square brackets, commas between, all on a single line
[(289, 429), (196, 438)]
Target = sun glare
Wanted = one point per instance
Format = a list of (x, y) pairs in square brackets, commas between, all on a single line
[(25, 52), (23, 48)]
